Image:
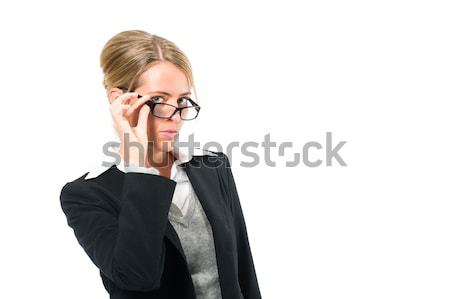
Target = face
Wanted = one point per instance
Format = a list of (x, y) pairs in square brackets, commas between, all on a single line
[(165, 83)]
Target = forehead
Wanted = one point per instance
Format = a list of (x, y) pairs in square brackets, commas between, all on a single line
[(164, 76)]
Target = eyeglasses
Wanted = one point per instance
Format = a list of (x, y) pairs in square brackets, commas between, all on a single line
[(188, 110)]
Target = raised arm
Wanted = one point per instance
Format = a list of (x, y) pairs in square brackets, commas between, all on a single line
[(127, 245)]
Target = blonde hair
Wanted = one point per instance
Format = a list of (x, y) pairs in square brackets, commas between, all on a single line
[(130, 53)]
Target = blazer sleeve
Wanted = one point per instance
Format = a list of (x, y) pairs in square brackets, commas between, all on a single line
[(127, 245), (246, 269)]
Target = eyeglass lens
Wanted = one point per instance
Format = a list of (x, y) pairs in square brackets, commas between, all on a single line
[(165, 111)]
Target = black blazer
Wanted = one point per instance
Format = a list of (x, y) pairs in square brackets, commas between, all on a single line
[(121, 221)]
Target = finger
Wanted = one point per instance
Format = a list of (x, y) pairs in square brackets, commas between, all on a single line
[(118, 108), (121, 108), (125, 108), (120, 122), (143, 118), (139, 102), (123, 98), (118, 112)]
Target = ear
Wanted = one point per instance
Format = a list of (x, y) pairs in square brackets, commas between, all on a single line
[(113, 93)]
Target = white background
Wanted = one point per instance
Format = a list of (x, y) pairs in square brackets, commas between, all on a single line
[(374, 73)]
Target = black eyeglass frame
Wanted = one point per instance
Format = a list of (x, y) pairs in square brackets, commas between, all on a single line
[(152, 105)]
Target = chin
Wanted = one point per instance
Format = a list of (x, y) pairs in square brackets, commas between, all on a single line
[(166, 145)]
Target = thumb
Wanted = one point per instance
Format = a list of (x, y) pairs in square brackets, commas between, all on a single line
[(143, 118)]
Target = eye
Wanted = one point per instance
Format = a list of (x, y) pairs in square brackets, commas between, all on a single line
[(183, 101), (157, 97)]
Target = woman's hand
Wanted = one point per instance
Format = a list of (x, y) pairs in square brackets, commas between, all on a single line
[(130, 118)]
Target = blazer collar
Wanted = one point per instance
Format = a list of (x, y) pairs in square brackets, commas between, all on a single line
[(204, 177)]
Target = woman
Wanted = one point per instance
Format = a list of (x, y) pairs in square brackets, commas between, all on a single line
[(162, 223)]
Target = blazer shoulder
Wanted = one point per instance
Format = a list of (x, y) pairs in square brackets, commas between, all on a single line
[(204, 152), (223, 158), (79, 182), (78, 179), (82, 192), (222, 161), (79, 185)]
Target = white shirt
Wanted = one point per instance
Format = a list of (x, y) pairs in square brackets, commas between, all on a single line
[(183, 189)]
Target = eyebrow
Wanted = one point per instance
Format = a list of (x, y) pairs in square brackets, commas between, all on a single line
[(168, 94)]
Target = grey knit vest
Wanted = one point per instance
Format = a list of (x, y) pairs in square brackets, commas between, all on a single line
[(195, 234)]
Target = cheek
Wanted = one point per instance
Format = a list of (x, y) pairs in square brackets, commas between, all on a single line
[(152, 127)]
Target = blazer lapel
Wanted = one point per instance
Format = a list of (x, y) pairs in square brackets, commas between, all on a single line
[(205, 181), (205, 184)]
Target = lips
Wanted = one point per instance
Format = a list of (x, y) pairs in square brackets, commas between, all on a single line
[(170, 131)]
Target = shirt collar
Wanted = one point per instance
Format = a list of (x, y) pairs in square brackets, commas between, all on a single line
[(182, 155)]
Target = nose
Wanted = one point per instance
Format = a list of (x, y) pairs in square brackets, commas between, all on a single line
[(176, 117)]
